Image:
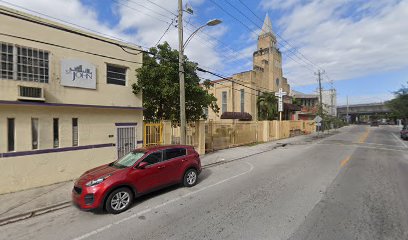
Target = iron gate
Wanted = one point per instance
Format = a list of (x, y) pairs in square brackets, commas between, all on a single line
[(126, 140)]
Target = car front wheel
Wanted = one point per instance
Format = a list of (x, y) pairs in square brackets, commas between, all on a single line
[(190, 178), (119, 200)]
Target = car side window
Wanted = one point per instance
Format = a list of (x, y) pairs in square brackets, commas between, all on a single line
[(174, 153), (153, 158)]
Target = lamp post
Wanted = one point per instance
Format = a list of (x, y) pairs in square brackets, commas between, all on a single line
[(181, 67)]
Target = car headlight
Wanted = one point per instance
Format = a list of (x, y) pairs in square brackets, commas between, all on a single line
[(96, 181)]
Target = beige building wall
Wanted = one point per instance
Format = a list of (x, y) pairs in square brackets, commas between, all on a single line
[(105, 94), (100, 111)]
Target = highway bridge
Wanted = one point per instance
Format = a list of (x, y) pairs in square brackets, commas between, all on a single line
[(363, 112)]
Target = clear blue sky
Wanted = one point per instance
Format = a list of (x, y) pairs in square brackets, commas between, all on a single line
[(361, 44)]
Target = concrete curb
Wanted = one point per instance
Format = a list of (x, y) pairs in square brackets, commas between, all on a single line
[(65, 204), (35, 212)]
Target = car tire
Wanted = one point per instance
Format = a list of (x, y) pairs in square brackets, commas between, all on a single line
[(190, 177), (119, 200)]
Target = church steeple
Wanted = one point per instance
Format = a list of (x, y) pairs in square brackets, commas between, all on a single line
[(267, 26), (266, 38)]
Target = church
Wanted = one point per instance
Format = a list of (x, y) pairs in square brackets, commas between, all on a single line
[(237, 97)]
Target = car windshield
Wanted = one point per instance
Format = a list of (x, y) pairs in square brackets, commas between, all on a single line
[(128, 159)]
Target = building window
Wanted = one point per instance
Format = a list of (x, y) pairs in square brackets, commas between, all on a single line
[(24, 63), (277, 82), (224, 102), (206, 112), (34, 133), (10, 134), (32, 65), (116, 75), (55, 127), (6, 60), (75, 132), (242, 100)]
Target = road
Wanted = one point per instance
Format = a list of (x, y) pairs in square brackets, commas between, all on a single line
[(352, 185)]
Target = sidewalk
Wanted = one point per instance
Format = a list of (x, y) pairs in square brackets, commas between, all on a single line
[(24, 204)]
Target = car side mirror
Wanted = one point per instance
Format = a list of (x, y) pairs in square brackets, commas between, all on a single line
[(142, 165)]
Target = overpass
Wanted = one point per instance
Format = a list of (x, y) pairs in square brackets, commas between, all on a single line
[(363, 112)]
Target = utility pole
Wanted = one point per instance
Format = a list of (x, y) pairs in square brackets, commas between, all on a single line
[(347, 111), (181, 75), (319, 74)]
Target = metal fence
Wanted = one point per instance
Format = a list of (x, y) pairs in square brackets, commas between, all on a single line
[(153, 133)]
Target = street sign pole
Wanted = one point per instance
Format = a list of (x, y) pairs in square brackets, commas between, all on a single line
[(280, 95)]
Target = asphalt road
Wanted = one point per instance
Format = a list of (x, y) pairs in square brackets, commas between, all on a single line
[(352, 185)]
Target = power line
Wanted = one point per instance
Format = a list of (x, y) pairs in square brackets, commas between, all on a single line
[(143, 6), (66, 22), (235, 89), (225, 78), (69, 48), (246, 26), (165, 31), (246, 6), (29, 19), (165, 9), (134, 9)]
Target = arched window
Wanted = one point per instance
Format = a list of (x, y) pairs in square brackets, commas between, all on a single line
[(277, 82)]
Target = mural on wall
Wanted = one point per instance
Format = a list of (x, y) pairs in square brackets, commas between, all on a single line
[(78, 73)]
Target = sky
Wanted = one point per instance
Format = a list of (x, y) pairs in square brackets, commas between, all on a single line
[(362, 45)]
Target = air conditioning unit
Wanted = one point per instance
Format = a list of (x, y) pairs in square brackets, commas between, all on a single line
[(31, 93)]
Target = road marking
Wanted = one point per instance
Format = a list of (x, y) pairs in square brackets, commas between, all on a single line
[(402, 142), (251, 167), (364, 137), (345, 161), (368, 147)]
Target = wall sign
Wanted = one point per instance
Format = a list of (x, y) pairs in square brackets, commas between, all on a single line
[(78, 73)]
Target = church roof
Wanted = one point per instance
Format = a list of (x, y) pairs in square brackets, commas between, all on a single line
[(267, 25)]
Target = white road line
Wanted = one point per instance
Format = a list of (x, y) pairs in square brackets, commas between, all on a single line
[(368, 147), (251, 167), (402, 142)]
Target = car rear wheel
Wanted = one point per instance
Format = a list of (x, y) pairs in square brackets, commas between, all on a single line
[(119, 200), (190, 178)]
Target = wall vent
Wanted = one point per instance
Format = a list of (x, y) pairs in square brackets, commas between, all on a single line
[(30, 93)]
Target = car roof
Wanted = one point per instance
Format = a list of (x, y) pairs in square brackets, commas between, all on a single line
[(161, 147)]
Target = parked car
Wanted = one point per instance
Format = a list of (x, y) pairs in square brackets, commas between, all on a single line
[(114, 186), (374, 124), (404, 133)]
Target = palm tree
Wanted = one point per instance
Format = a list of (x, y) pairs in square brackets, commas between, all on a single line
[(267, 106)]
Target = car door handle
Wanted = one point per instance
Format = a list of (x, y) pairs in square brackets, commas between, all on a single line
[(183, 160), (160, 167)]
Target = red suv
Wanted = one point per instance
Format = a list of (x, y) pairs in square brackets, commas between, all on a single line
[(114, 186)]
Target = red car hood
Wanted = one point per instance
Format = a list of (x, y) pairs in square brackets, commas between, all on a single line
[(97, 172)]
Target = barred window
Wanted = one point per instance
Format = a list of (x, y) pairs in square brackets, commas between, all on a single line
[(6, 61), (75, 132), (32, 65), (23, 63), (224, 102), (116, 75), (242, 100)]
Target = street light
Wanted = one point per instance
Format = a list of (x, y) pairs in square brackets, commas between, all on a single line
[(181, 68), (210, 23)]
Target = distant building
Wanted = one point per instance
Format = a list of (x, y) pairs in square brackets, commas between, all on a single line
[(62, 111), (329, 99), (240, 95), (309, 105)]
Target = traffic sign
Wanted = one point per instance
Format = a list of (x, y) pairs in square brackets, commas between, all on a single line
[(318, 119)]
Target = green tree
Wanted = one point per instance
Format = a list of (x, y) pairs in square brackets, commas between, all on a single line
[(158, 80), (399, 105), (267, 106)]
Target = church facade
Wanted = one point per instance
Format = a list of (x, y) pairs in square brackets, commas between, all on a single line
[(238, 95)]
